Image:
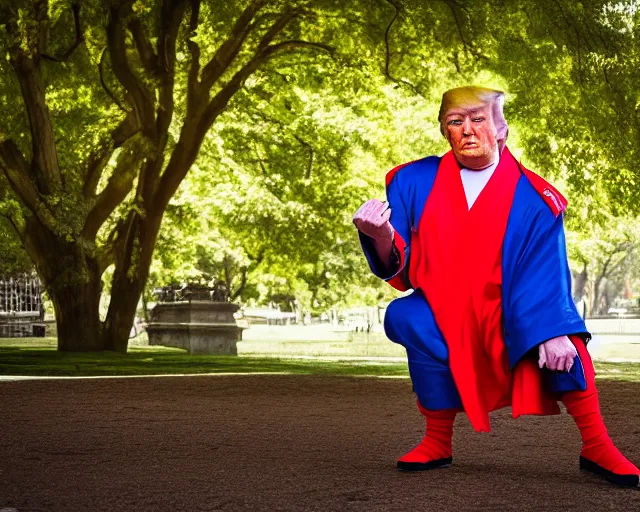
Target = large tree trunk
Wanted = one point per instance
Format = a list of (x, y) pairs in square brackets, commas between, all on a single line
[(129, 279), (77, 317), (125, 294), (598, 292), (72, 280), (580, 283)]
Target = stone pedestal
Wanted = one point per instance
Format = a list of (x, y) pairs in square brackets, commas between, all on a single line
[(199, 326)]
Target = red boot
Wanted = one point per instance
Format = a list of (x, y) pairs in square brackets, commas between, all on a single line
[(435, 450), (598, 455)]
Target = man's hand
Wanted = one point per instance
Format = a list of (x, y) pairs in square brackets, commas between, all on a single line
[(557, 354), (372, 218)]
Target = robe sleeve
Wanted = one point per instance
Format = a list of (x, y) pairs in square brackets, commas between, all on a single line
[(539, 305), (401, 222)]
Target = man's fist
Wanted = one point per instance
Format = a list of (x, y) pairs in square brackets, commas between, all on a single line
[(557, 354), (372, 218)]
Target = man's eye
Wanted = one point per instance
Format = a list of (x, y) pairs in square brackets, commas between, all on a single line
[(478, 119), (455, 122)]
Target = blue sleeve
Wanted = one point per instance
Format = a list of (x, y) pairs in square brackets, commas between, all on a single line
[(400, 215), (539, 304), (375, 263), (401, 222)]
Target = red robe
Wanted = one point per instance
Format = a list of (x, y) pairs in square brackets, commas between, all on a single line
[(457, 262)]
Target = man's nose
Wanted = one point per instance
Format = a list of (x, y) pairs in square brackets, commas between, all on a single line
[(467, 126)]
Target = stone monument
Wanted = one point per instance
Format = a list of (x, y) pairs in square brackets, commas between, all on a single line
[(196, 318)]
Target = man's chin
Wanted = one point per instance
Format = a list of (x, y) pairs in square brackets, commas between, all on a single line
[(474, 159), (473, 152)]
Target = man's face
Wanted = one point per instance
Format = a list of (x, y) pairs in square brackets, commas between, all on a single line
[(472, 135)]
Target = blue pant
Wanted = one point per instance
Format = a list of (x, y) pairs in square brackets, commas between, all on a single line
[(409, 321)]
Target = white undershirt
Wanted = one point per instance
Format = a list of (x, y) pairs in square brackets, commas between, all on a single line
[(474, 181)]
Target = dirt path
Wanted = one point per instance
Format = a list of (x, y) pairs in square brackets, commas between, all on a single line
[(283, 443)]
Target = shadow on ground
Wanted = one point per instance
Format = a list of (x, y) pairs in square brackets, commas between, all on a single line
[(283, 443)]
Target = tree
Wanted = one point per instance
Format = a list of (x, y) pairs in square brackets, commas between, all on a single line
[(132, 100), (572, 75), (604, 253), (283, 207), (114, 113)]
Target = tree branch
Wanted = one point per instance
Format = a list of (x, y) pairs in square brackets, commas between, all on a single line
[(458, 25), (172, 13), (387, 60), (100, 157), (241, 286), (192, 134), (616, 266), (45, 167), (139, 96), (104, 84), (127, 128), (309, 147), (228, 50), (15, 169), (79, 37), (97, 162), (105, 256), (147, 55), (4, 190), (622, 247), (260, 160), (13, 223), (466, 44), (191, 137), (119, 185), (193, 89), (297, 43), (171, 21)]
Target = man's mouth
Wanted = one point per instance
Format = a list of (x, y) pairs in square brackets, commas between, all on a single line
[(470, 145)]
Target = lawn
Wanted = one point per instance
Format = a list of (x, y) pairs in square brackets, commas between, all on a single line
[(39, 357)]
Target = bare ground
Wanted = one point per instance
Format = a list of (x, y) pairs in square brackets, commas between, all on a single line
[(284, 443)]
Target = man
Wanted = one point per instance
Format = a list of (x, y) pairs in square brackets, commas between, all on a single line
[(490, 322)]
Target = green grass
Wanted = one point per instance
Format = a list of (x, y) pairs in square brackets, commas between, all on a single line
[(629, 372), (20, 360), (39, 357)]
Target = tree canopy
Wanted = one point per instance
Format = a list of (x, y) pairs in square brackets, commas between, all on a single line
[(258, 127)]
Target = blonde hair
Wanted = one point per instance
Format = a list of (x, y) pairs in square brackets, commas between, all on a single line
[(470, 96)]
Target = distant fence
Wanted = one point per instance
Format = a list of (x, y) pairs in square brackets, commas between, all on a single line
[(268, 316), (613, 325), (20, 307)]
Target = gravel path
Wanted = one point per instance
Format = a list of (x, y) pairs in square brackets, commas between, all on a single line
[(282, 442)]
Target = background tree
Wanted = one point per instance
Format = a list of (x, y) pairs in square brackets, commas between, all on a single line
[(13, 258), (605, 256), (132, 99)]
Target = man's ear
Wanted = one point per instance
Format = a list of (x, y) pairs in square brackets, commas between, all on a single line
[(502, 141), (502, 132)]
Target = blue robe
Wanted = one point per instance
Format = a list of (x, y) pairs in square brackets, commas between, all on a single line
[(536, 285)]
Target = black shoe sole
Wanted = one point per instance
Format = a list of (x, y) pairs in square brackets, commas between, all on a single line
[(424, 466), (614, 478)]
